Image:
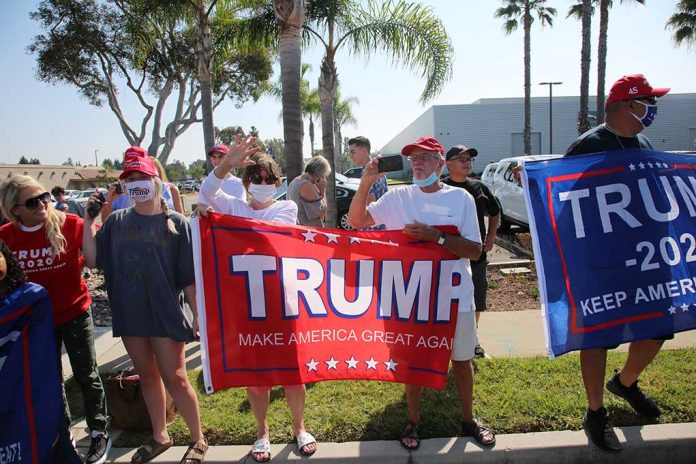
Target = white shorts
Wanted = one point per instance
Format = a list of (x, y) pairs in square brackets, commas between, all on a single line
[(464, 337)]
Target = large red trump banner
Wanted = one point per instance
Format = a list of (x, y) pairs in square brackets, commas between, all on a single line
[(284, 304)]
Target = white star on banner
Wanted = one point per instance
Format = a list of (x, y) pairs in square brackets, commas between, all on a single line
[(331, 237), (312, 365), (354, 240), (391, 365), (632, 167), (665, 165), (685, 308), (352, 362), (309, 236), (672, 309), (641, 165), (371, 363), (331, 363), (650, 164)]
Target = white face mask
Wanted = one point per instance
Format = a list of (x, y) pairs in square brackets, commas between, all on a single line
[(262, 193), (141, 190)]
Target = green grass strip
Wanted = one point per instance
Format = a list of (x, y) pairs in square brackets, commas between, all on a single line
[(511, 395)]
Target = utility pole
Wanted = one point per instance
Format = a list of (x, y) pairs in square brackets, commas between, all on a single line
[(96, 160), (550, 84)]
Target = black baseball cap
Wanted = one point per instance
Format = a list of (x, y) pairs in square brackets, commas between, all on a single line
[(456, 150)]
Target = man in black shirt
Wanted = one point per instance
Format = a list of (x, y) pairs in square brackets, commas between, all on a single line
[(460, 160), (630, 107)]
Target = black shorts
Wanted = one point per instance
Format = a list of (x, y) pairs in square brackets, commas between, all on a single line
[(478, 275)]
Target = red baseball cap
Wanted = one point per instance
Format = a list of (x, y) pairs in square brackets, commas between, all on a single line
[(219, 148), (135, 151), (633, 86), (135, 162), (425, 143)]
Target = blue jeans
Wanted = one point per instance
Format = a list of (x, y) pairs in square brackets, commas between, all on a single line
[(78, 337)]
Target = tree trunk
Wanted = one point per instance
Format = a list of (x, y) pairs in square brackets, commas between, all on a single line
[(204, 52), (311, 135), (291, 13), (328, 79), (602, 57), (583, 121), (527, 83), (338, 146)]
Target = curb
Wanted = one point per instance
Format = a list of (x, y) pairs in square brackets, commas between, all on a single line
[(663, 443)]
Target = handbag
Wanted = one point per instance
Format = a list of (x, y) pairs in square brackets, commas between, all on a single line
[(126, 405)]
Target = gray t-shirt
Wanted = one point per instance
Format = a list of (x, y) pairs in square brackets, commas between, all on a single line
[(145, 269), (309, 213)]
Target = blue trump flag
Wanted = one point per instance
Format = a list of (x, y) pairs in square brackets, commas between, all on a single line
[(32, 425), (614, 239)]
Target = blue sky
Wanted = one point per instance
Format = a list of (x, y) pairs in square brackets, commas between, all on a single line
[(54, 122)]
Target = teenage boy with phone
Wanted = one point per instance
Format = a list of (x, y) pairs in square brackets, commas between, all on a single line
[(359, 152)]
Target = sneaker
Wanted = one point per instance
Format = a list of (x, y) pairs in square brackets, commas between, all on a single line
[(644, 405), (98, 449), (479, 352), (600, 431)]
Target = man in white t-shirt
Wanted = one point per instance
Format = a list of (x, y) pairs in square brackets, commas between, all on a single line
[(415, 209), (231, 185)]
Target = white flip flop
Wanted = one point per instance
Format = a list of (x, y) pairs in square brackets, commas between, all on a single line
[(304, 439), (262, 445)]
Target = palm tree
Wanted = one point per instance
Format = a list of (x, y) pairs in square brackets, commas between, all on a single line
[(585, 51), (604, 6), (683, 22), (343, 115), (290, 14), (310, 101), (409, 32), (513, 12)]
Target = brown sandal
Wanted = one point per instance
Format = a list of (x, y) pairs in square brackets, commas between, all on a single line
[(150, 450), (195, 453), (482, 434)]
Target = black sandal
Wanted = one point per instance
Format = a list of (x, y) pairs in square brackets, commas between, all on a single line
[(412, 432), (195, 453), (478, 431)]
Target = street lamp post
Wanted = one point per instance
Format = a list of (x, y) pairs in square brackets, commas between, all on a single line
[(550, 84), (96, 160)]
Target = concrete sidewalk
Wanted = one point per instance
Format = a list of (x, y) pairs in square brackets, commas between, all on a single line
[(666, 444), (502, 334)]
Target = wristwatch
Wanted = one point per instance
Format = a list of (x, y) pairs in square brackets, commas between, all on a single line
[(441, 240)]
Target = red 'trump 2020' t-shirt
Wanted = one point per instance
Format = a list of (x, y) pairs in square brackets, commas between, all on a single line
[(60, 275)]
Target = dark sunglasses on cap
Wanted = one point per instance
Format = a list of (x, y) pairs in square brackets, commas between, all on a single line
[(33, 202), (647, 99)]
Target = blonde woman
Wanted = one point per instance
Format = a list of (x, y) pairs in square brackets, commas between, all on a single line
[(261, 179), (146, 255), (308, 192), (47, 244)]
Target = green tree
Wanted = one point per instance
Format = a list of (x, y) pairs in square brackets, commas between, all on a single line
[(69, 162), (513, 12), (23, 160), (177, 170), (683, 23), (196, 169), (343, 115), (108, 164), (410, 33), (227, 134), (103, 48)]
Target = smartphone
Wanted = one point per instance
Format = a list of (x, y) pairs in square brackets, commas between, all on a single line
[(94, 208), (390, 163), (118, 189)]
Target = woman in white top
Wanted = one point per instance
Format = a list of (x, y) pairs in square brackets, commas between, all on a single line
[(261, 179)]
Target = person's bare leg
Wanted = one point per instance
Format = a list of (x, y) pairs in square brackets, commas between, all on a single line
[(640, 354), (413, 397), (593, 363), (464, 381), (295, 396), (142, 354), (259, 397), (172, 364)]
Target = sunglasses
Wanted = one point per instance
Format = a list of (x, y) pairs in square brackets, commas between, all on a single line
[(33, 202), (463, 159), (650, 100), (257, 179)]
